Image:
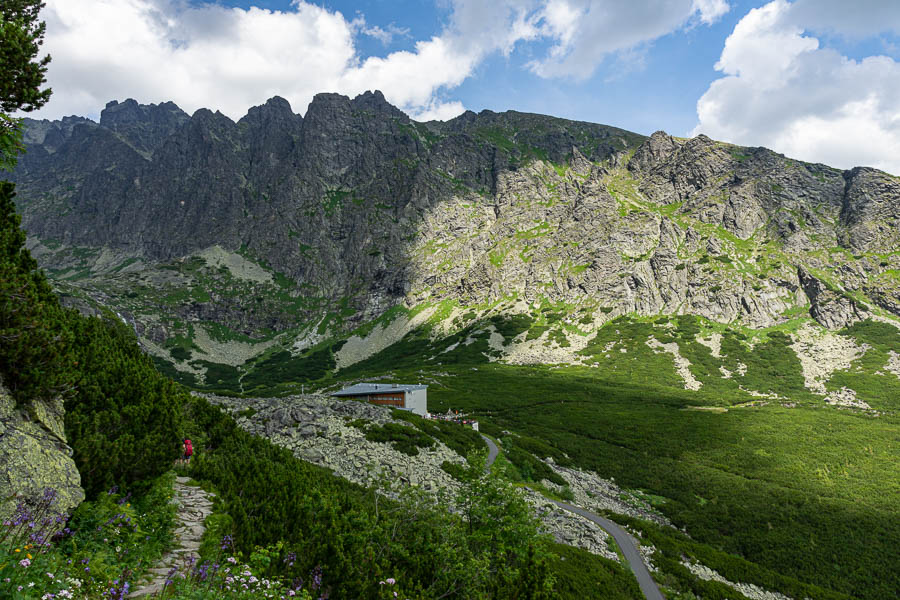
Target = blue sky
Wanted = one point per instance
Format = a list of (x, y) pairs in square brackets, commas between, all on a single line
[(815, 79)]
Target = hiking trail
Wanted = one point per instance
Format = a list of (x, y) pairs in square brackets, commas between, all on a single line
[(194, 505)]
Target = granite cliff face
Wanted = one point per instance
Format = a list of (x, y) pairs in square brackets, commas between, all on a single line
[(206, 234)]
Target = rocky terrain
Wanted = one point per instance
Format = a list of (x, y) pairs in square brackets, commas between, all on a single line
[(318, 429), (225, 245), (36, 457)]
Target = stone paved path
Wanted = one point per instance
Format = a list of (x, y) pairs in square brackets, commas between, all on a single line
[(194, 505)]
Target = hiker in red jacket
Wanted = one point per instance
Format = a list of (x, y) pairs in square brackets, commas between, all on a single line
[(188, 451)]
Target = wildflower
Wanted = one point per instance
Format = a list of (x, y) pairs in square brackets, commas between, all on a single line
[(231, 559), (28, 556), (25, 563), (18, 550), (391, 580)]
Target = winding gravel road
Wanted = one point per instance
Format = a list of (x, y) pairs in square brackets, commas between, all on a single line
[(627, 543)]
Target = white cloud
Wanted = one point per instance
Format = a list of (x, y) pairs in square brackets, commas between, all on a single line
[(585, 32), (206, 56), (385, 35), (439, 111), (710, 10), (228, 59), (856, 18), (783, 90)]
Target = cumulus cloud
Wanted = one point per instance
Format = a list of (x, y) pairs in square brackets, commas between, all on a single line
[(385, 35), (784, 90), (587, 31), (197, 56), (228, 59)]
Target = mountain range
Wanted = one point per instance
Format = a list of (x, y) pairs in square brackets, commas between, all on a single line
[(330, 237)]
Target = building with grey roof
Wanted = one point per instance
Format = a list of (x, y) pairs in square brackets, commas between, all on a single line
[(413, 398)]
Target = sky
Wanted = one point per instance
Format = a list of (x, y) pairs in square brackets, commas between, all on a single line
[(817, 80)]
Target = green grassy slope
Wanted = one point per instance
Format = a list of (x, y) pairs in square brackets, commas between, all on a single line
[(808, 493)]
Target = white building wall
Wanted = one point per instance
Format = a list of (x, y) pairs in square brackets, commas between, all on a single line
[(417, 401)]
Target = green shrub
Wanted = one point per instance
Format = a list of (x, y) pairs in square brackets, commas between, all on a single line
[(123, 422), (404, 439), (35, 341), (331, 524), (121, 415)]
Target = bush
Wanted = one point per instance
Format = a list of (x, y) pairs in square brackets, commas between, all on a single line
[(404, 439), (123, 422)]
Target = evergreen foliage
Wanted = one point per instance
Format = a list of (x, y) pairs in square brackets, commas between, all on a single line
[(123, 422), (122, 416), (35, 344), (21, 36), (356, 536)]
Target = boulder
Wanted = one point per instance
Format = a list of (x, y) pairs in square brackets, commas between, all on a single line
[(36, 457)]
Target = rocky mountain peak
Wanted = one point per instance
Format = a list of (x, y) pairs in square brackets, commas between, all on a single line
[(144, 127), (375, 102), (275, 108), (655, 150)]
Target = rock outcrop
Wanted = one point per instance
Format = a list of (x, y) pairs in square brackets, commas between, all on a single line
[(35, 456)]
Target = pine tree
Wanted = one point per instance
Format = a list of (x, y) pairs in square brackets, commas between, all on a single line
[(22, 73), (35, 359)]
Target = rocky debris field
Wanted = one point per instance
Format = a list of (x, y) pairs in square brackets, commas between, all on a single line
[(749, 590), (821, 353), (317, 429), (598, 494)]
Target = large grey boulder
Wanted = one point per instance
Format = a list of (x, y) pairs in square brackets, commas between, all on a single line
[(35, 456)]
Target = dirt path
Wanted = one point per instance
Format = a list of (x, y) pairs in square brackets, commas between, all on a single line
[(626, 542), (194, 505)]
